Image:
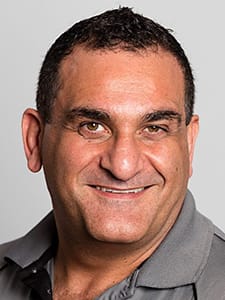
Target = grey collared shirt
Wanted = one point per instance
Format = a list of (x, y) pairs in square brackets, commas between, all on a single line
[(189, 264)]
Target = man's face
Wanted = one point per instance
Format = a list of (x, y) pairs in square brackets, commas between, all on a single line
[(117, 153)]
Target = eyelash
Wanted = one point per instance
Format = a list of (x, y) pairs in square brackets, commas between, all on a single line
[(101, 132), (89, 123), (86, 132), (154, 127), (152, 130), (158, 128)]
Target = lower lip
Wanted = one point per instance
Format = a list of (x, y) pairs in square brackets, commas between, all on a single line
[(122, 196)]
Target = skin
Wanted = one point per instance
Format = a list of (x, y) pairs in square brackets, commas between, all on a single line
[(117, 157)]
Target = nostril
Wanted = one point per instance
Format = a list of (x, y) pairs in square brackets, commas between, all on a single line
[(113, 177), (120, 172)]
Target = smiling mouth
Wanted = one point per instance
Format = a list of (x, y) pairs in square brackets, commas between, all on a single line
[(117, 191)]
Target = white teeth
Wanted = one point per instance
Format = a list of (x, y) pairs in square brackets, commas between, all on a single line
[(103, 189)]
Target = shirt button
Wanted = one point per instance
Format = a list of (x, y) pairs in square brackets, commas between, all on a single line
[(34, 270), (49, 291)]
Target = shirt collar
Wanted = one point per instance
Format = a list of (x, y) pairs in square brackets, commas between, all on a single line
[(178, 261), (34, 244), (181, 257)]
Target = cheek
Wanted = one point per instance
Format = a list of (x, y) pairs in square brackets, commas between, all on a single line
[(63, 152), (170, 158), (65, 162)]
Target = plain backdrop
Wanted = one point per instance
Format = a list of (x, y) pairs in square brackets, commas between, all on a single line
[(28, 28)]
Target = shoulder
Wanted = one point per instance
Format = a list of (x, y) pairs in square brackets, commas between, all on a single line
[(216, 258), (220, 234), (10, 287), (4, 248), (18, 255), (211, 282)]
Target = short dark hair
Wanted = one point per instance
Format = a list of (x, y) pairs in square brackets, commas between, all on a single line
[(119, 28)]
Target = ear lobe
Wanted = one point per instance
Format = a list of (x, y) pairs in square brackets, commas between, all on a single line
[(32, 129), (193, 129)]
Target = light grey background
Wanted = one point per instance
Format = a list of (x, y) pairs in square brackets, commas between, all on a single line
[(27, 29)]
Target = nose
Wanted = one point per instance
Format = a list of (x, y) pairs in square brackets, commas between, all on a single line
[(123, 158)]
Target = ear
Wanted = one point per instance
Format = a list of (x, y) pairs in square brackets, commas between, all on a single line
[(192, 133), (32, 129)]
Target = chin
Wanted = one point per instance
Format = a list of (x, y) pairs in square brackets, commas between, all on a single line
[(114, 233)]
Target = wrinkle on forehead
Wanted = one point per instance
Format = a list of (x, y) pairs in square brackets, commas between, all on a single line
[(129, 62), (122, 78)]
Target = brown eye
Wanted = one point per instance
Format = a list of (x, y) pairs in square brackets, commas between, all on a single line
[(93, 130), (92, 126), (153, 128), (155, 131)]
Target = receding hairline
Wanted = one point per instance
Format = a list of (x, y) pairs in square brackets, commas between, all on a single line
[(114, 29), (144, 52)]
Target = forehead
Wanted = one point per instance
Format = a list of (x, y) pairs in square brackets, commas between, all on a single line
[(148, 78)]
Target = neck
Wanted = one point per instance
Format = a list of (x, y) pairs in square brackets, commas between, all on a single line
[(92, 266), (86, 265), (92, 269)]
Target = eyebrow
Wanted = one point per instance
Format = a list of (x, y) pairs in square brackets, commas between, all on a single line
[(163, 115), (101, 115), (86, 112)]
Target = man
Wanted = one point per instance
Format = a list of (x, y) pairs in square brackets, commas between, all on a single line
[(115, 131)]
